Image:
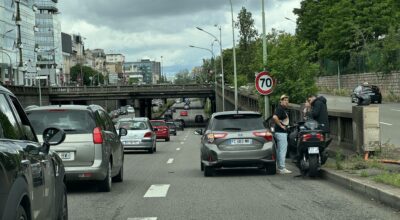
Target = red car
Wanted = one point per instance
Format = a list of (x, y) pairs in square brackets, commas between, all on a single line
[(161, 129), (184, 113)]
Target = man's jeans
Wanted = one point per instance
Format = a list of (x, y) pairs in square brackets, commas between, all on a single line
[(281, 139)]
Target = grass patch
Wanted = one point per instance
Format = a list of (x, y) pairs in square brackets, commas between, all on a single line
[(364, 173), (388, 178)]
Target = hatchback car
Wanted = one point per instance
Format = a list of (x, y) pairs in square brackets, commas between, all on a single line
[(172, 127), (371, 90), (32, 177), (161, 129), (236, 139), (92, 149), (141, 135)]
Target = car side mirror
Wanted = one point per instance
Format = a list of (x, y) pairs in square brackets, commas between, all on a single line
[(122, 132), (52, 136), (198, 132)]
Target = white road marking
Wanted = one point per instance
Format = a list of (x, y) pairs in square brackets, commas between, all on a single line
[(182, 142), (385, 123), (398, 110), (143, 218), (178, 148), (157, 190), (170, 160)]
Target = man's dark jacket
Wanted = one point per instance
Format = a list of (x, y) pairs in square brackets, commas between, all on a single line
[(319, 112)]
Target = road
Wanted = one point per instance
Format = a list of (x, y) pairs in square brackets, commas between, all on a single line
[(389, 117), (169, 185)]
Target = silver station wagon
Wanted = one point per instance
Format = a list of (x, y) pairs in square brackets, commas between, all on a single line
[(92, 149), (237, 139), (141, 135)]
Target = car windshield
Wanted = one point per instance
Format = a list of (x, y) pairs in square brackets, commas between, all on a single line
[(132, 125), (158, 123), (72, 121), (238, 122)]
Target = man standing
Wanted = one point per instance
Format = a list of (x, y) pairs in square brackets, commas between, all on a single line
[(319, 111), (281, 119)]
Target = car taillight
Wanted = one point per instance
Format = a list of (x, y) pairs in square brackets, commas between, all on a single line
[(319, 136), (212, 136), (147, 135), (265, 134), (97, 136)]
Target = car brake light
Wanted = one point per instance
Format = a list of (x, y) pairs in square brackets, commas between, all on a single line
[(212, 136), (266, 134), (147, 135), (97, 136)]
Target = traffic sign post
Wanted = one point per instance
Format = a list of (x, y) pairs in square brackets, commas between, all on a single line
[(264, 84)]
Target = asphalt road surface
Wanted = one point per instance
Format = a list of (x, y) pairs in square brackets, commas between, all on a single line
[(169, 185), (389, 117)]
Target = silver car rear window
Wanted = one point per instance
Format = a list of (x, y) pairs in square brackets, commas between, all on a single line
[(238, 122), (132, 125), (72, 121)]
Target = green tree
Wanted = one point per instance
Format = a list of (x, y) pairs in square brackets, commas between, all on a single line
[(183, 77), (85, 72)]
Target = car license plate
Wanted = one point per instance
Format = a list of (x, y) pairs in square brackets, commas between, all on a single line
[(132, 142), (313, 150), (241, 141), (67, 156)]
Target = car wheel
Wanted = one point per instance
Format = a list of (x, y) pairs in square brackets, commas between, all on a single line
[(21, 213), (120, 176), (201, 166), (270, 169), (63, 211), (151, 150), (208, 171), (105, 185), (167, 139)]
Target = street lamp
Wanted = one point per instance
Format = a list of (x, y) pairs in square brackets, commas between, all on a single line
[(234, 59), (222, 61), (3, 51)]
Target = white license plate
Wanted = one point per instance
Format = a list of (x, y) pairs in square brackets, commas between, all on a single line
[(241, 141), (313, 150), (67, 156), (132, 142)]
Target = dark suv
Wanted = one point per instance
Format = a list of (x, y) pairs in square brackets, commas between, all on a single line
[(32, 181), (92, 149), (370, 90)]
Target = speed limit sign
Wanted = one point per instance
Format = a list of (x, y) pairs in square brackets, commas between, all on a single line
[(264, 83)]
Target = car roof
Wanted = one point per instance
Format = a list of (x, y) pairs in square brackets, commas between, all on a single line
[(70, 107), (134, 119), (5, 90), (235, 113)]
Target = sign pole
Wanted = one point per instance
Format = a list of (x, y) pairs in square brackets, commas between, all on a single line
[(266, 98)]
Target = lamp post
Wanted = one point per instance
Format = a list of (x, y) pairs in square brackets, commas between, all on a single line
[(222, 62), (4, 52), (161, 67), (266, 98), (234, 59), (213, 57)]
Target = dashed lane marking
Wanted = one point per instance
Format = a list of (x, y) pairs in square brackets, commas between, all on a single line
[(397, 110), (178, 148), (386, 123), (182, 142), (143, 218), (170, 160), (157, 190)]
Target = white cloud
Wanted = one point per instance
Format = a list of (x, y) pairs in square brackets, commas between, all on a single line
[(165, 30)]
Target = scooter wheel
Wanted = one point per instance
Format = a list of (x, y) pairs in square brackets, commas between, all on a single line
[(313, 168)]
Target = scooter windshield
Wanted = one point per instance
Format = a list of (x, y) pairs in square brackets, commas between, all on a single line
[(311, 124)]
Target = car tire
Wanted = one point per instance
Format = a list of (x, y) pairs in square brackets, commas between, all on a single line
[(120, 176), (21, 213), (208, 171), (63, 210), (270, 169), (105, 185), (167, 139), (201, 166), (151, 150)]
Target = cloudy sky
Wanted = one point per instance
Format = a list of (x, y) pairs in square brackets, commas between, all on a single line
[(154, 28)]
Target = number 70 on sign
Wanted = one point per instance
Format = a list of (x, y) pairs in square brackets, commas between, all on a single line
[(264, 83)]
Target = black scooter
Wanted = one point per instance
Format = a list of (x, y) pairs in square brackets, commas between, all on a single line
[(307, 141)]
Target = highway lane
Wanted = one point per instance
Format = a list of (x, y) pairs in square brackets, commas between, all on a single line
[(389, 117), (169, 185)]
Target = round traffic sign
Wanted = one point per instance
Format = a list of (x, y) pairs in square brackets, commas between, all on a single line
[(264, 83)]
